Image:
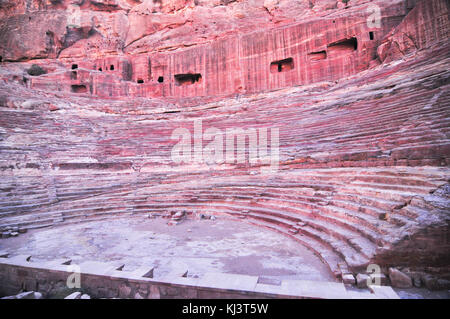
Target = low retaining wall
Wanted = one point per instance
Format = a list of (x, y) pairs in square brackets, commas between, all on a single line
[(101, 280)]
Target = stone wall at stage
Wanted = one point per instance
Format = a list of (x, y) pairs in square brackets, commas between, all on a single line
[(101, 280)]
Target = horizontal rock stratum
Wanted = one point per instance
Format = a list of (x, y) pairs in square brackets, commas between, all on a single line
[(358, 90)]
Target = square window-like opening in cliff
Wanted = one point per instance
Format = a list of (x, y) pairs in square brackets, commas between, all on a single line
[(140, 81), (161, 79), (74, 66), (282, 65), (111, 67), (79, 88), (371, 35), (188, 78), (100, 69), (317, 56), (343, 46), (73, 75)]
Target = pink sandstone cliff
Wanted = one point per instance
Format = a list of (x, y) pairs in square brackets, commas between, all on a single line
[(363, 113)]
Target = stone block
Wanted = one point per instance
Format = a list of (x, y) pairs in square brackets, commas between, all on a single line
[(228, 281), (443, 284), (416, 279), (138, 296), (312, 289), (189, 293), (154, 292), (75, 295), (124, 291), (96, 268), (141, 272), (169, 291), (19, 260), (6, 234), (361, 280), (29, 295), (399, 279), (348, 279)]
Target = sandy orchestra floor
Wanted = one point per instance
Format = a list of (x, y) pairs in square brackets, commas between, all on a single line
[(201, 246)]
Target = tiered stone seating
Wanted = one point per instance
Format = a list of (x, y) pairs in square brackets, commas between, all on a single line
[(340, 216), (353, 156)]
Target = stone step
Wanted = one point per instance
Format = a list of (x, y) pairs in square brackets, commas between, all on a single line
[(322, 251), (294, 214), (353, 259)]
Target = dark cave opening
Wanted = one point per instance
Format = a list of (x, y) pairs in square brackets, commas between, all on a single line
[(317, 56), (79, 88), (188, 79), (346, 45), (282, 65)]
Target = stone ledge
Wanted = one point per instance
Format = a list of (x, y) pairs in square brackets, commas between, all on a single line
[(211, 285)]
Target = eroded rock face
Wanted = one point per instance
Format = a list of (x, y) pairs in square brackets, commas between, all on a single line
[(399, 279), (362, 112), (32, 36), (425, 241), (426, 25), (236, 64), (155, 44), (135, 26)]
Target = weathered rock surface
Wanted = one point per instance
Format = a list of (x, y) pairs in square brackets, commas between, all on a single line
[(426, 25), (362, 112), (98, 27), (34, 35), (399, 279)]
